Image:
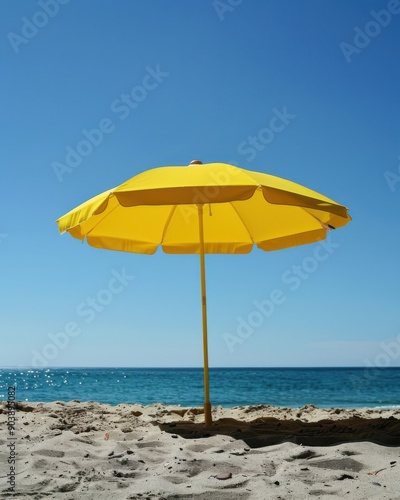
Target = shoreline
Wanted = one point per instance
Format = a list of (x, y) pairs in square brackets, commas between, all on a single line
[(342, 387), (97, 451), (285, 408)]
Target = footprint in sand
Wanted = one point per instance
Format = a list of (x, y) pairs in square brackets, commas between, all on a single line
[(346, 464), (149, 444), (49, 453)]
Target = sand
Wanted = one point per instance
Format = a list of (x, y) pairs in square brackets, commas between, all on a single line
[(96, 451)]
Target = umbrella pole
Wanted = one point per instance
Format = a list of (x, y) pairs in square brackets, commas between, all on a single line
[(207, 404)]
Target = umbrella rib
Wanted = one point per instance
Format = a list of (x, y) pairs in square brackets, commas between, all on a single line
[(323, 224), (104, 216), (166, 225), (242, 221)]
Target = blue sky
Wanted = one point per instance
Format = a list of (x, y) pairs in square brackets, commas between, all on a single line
[(206, 78)]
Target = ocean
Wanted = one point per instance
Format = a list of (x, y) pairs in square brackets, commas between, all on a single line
[(285, 387)]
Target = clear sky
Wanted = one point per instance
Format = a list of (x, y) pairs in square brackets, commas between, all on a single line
[(166, 82)]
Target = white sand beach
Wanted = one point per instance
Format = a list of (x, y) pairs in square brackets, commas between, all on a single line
[(96, 451)]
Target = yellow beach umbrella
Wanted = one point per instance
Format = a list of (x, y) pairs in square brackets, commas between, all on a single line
[(210, 208)]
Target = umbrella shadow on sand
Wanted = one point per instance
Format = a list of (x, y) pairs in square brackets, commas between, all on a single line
[(271, 431)]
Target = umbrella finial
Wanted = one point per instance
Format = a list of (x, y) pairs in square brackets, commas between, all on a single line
[(196, 162)]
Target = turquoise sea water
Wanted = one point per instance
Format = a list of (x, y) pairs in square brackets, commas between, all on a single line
[(291, 387)]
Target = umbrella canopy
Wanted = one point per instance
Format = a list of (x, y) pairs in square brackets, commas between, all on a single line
[(159, 207), (210, 208)]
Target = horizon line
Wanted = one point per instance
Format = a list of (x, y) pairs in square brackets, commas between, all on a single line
[(24, 367)]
